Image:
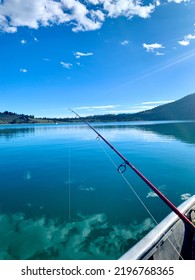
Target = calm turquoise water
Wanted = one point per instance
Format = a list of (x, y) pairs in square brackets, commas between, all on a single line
[(61, 196)]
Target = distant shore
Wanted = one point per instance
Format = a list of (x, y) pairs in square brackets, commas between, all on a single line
[(182, 109)]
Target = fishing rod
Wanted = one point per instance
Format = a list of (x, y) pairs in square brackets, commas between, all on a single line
[(122, 168)]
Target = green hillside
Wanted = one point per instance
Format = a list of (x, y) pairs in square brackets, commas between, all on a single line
[(182, 109), (13, 118)]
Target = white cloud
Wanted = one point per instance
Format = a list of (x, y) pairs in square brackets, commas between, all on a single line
[(83, 15), (157, 102), (119, 109), (159, 53), (79, 54), (66, 65), (178, 1), (190, 37), (130, 110), (186, 40), (5, 25), (97, 15), (36, 13), (125, 42), (97, 107), (23, 70), (147, 105), (152, 47), (85, 19), (23, 42), (184, 43), (116, 8), (158, 3), (94, 2)]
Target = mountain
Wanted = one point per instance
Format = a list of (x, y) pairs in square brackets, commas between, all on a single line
[(182, 109)]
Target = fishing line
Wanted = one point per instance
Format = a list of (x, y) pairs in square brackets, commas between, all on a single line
[(125, 179), (69, 177), (138, 197)]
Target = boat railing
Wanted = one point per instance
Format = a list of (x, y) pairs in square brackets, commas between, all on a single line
[(170, 239)]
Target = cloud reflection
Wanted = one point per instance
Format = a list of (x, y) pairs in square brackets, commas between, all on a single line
[(151, 194), (185, 196), (90, 237)]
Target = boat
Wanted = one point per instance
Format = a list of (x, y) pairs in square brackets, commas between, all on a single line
[(171, 239)]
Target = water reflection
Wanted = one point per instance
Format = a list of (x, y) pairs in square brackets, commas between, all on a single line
[(89, 237), (184, 132), (13, 132), (147, 131), (36, 177)]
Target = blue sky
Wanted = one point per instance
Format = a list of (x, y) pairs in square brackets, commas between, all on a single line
[(95, 56)]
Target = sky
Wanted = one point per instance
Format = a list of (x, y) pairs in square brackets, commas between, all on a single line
[(95, 56)]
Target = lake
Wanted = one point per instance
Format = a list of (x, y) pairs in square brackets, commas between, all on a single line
[(61, 196)]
